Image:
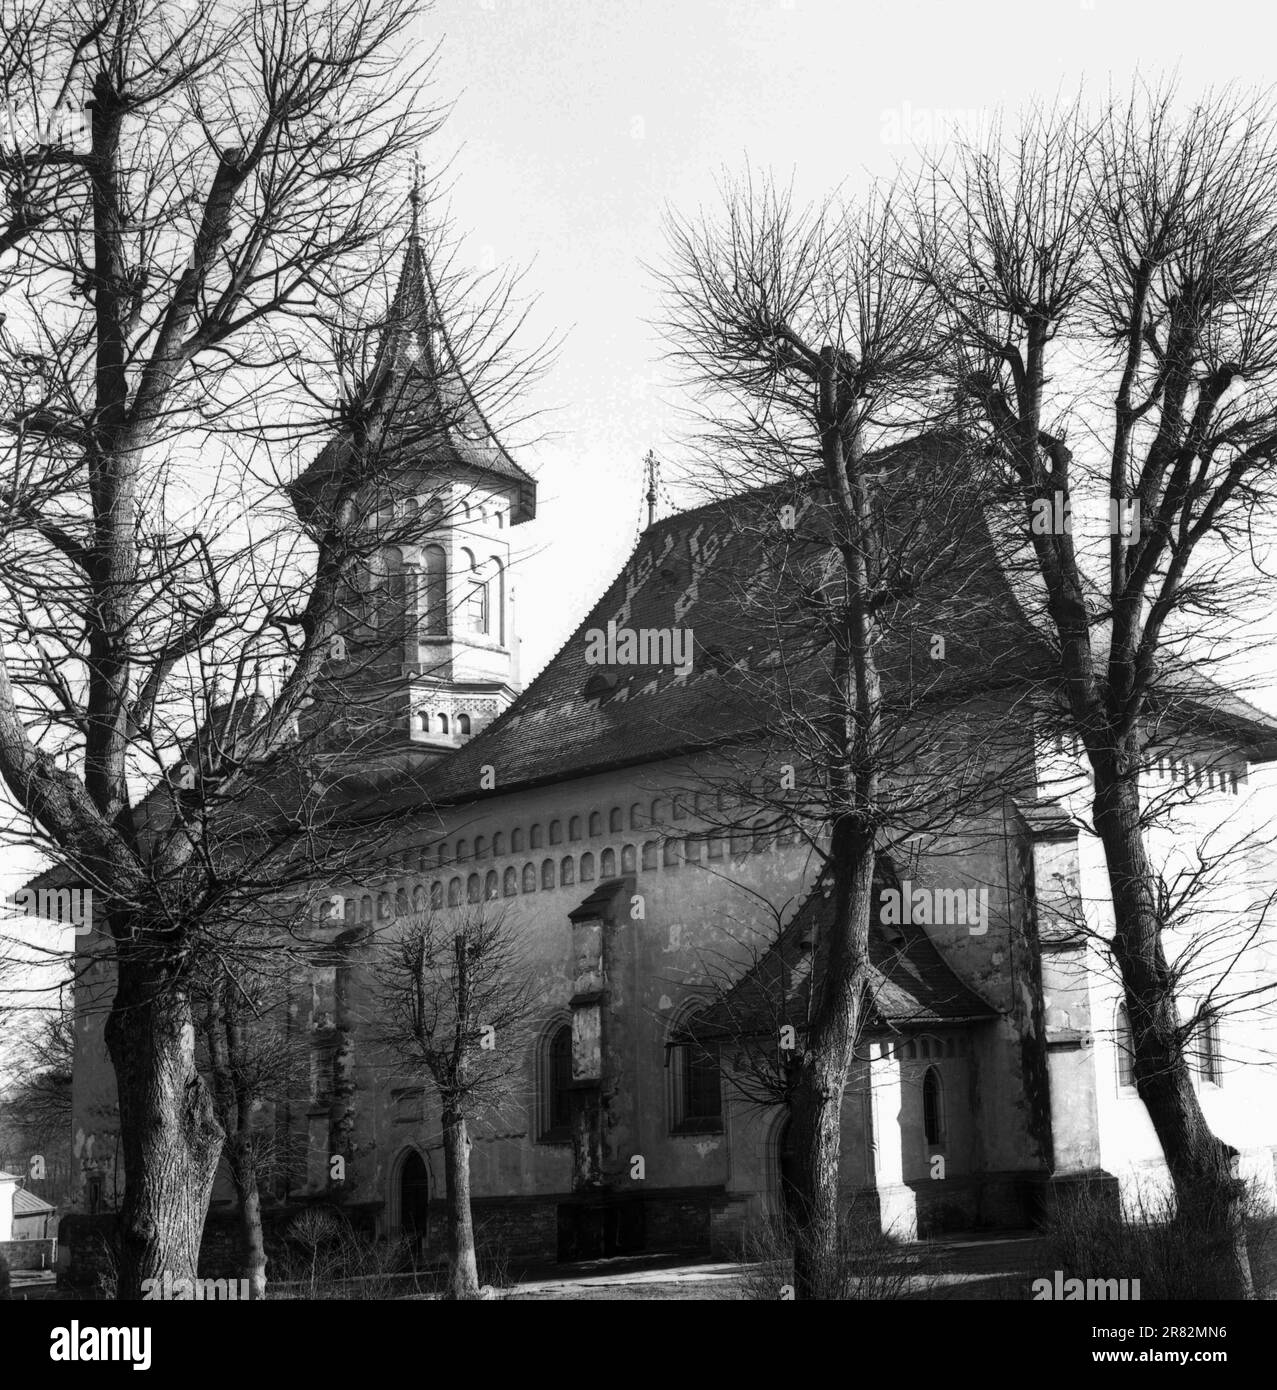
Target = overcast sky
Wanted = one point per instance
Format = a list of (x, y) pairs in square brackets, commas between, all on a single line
[(578, 121)]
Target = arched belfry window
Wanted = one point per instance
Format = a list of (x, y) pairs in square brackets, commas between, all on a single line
[(932, 1107), (434, 595), (474, 596)]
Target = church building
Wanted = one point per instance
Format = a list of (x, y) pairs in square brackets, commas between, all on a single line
[(587, 806)]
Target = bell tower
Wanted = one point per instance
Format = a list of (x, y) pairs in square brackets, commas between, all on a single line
[(428, 652)]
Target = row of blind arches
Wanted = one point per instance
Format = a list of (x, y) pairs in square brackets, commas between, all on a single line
[(551, 874), (743, 839)]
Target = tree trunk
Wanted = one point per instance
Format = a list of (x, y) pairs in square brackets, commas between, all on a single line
[(252, 1243), (172, 1140), (1209, 1198), (463, 1270), (816, 1106)]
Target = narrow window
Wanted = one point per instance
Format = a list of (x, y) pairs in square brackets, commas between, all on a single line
[(1125, 1043), (547, 873), (529, 878), (614, 820), (607, 864), (510, 883), (556, 1085), (587, 868), (596, 824), (932, 1108), (434, 580), (696, 1100), (567, 871)]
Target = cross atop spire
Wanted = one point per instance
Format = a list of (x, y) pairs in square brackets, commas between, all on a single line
[(414, 199)]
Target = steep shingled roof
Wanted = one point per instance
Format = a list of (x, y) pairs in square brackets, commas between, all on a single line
[(419, 380), (688, 571)]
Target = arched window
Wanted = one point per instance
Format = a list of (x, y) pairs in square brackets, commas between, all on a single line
[(473, 888), (454, 892), (365, 908), (574, 828), (556, 832), (628, 859), (384, 908), (587, 867), (1124, 1041), (510, 882), (401, 902), (614, 820), (491, 890), (463, 851), (607, 864), (596, 823), (692, 850), (636, 816), (498, 845), (658, 812), (474, 599), (463, 725), (680, 808), (434, 591), (649, 854), (436, 893), (670, 854), (536, 840), (529, 878), (567, 871), (442, 857), (442, 723), (715, 850), (547, 873), (480, 846), (932, 1107), (696, 1093), (516, 841), (554, 1086)]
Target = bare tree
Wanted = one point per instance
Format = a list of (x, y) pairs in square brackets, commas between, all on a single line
[(454, 997), (1109, 292), (188, 281), (810, 339), (255, 1066)]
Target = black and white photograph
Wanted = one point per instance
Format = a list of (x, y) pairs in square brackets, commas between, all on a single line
[(637, 664)]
